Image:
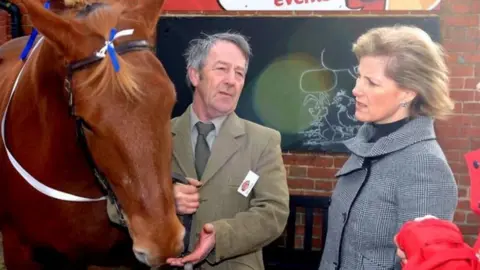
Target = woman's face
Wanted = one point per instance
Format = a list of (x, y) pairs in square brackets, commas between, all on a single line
[(378, 98)]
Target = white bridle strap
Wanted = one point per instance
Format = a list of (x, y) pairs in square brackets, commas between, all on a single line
[(30, 179)]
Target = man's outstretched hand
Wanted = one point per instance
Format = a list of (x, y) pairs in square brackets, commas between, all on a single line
[(202, 248)]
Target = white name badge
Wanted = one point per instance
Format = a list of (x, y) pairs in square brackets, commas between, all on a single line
[(248, 183)]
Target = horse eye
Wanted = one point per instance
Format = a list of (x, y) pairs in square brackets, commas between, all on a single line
[(86, 125)]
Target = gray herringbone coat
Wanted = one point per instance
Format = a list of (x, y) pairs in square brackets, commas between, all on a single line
[(410, 179)]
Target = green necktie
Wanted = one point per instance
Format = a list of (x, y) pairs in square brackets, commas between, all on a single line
[(202, 151)]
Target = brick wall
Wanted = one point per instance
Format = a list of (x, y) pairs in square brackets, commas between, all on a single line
[(312, 174)]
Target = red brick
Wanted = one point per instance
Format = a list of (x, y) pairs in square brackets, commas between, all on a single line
[(468, 229), (473, 108), (295, 192), (317, 219), (288, 158), (475, 120), (453, 155), (450, 132), (477, 69), (457, 83), (462, 179), (463, 193), (454, 143), (300, 183), (321, 172), (458, 107), (317, 193), (463, 205), (472, 131), (459, 167), (475, 143), (308, 160), (317, 243), (324, 185), (460, 217), (298, 171), (462, 20), (454, 57), (472, 58), (325, 162), (339, 161), (299, 229), (298, 242), (461, 70), (472, 33), (475, 7), (471, 83), (472, 218), (455, 120), (460, 46), (470, 239), (464, 95), (460, 8)]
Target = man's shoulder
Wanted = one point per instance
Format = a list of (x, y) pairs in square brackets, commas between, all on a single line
[(174, 120), (257, 130)]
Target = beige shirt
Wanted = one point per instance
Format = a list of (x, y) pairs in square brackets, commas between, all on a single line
[(217, 122)]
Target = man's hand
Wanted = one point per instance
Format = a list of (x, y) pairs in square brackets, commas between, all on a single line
[(400, 253), (186, 197), (203, 247)]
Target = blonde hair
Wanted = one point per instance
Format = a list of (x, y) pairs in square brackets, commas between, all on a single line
[(415, 62)]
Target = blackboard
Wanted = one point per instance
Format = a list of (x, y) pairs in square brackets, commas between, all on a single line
[(301, 75)]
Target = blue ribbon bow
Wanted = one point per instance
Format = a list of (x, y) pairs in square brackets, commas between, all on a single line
[(111, 50)]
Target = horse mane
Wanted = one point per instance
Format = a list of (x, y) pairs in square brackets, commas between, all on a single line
[(100, 20)]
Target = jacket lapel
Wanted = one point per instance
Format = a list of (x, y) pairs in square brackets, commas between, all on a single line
[(182, 147), (224, 146), (352, 164)]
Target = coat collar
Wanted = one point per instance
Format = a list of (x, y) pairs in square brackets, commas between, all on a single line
[(225, 145), (416, 130)]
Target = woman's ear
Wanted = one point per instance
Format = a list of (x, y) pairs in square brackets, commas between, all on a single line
[(409, 96)]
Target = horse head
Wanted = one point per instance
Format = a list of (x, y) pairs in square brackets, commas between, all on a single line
[(122, 98)]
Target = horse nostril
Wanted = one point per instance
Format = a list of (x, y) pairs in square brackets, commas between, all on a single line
[(141, 256)]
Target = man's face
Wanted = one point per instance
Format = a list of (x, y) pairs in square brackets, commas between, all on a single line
[(219, 83)]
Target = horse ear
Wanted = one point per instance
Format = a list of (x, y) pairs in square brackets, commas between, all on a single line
[(151, 10), (61, 32)]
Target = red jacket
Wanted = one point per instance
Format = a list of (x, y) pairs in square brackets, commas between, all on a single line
[(473, 164), (434, 244)]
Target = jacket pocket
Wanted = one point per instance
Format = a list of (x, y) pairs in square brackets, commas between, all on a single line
[(232, 265), (246, 262)]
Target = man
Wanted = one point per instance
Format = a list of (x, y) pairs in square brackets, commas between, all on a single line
[(212, 144)]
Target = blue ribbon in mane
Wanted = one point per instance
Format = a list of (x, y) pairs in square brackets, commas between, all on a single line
[(32, 37), (111, 50)]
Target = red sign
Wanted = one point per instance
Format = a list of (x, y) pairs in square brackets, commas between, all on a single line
[(287, 5)]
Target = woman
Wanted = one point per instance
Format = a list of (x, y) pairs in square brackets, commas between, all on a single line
[(397, 170)]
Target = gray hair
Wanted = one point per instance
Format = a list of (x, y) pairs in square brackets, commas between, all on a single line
[(416, 63), (199, 49)]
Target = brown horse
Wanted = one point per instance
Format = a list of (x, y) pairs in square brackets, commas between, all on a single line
[(74, 116)]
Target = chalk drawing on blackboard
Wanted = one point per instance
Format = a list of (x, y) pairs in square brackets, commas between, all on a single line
[(332, 117)]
